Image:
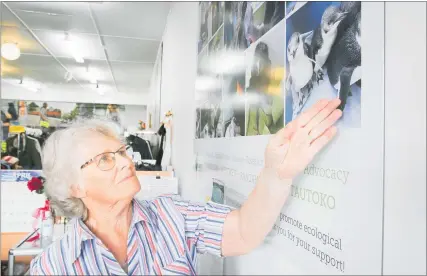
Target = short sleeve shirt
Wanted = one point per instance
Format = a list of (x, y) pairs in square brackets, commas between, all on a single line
[(164, 238)]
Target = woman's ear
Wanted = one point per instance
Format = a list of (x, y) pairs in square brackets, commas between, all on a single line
[(77, 191)]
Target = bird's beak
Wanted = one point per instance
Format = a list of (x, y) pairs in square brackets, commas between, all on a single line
[(305, 35), (339, 18)]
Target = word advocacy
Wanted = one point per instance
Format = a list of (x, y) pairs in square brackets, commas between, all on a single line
[(334, 174)]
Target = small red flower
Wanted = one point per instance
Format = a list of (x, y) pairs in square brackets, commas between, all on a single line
[(34, 184)]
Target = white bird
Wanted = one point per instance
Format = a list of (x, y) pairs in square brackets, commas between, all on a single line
[(300, 67), (233, 129)]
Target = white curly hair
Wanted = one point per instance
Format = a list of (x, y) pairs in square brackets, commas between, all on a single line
[(62, 164)]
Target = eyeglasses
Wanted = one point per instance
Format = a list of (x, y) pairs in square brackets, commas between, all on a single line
[(106, 160)]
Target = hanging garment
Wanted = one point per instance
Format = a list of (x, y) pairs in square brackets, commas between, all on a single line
[(167, 152), (140, 145), (12, 111), (147, 167), (26, 151), (149, 149), (162, 133), (37, 144)]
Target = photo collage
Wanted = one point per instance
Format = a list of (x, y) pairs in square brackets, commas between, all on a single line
[(324, 58), (239, 87), (260, 64)]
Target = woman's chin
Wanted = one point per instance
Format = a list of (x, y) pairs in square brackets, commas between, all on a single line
[(129, 188)]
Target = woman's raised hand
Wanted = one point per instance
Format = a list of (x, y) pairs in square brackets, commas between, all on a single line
[(293, 147)]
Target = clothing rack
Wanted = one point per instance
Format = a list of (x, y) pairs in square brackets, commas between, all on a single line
[(13, 130)]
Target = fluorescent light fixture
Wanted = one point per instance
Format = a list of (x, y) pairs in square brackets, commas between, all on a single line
[(26, 83), (100, 89), (74, 48), (79, 59), (10, 51), (93, 75), (31, 84)]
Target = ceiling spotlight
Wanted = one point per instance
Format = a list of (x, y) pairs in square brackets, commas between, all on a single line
[(100, 90), (93, 75), (30, 84), (74, 48), (10, 51)]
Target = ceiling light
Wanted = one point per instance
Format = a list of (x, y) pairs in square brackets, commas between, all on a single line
[(93, 75), (100, 89), (26, 83), (31, 84), (74, 48), (10, 51)]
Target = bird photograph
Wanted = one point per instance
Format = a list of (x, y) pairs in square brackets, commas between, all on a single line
[(323, 58), (245, 22), (204, 27), (233, 107), (198, 124)]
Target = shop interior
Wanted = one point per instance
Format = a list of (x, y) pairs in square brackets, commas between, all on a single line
[(73, 61), (155, 72)]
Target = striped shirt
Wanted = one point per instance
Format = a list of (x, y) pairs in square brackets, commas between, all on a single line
[(164, 238)]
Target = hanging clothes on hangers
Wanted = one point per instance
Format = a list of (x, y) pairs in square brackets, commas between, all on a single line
[(37, 144), (26, 151), (140, 145), (149, 148)]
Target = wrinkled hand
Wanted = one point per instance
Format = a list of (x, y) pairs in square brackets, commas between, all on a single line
[(294, 147)]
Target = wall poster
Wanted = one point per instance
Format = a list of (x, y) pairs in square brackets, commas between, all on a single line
[(260, 64), (17, 212)]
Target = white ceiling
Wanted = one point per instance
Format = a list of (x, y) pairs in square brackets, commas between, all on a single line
[(129, 32)]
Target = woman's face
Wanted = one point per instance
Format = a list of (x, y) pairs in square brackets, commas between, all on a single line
[(108, 186)]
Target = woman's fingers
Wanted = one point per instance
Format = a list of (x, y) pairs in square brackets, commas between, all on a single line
[(322, 115), (323, 140), (283, 135), (305, 117), (329, 121)]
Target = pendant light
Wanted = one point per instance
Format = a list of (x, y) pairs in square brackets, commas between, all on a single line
[(10, 51)]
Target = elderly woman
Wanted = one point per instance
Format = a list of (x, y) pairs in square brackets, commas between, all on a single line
[(91, 178)]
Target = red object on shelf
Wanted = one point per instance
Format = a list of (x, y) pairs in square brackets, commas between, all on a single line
[(35, 184)]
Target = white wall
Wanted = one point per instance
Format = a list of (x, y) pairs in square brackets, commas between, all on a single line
[(405, 143), (155, 92), (178, 79), (405, 97)]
